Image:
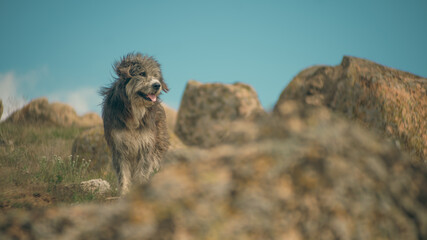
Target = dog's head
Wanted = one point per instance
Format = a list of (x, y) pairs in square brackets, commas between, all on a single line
[(142, 78)]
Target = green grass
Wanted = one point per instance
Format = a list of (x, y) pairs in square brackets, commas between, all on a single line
[(37, 159), (56, 170)]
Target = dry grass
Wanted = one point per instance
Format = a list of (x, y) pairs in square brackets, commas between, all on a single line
[(37, 169)]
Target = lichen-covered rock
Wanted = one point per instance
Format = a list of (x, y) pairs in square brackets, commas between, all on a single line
[(91, 145), (207, 108), (41, 111), (304, 174), (391, 101), (96, 186)]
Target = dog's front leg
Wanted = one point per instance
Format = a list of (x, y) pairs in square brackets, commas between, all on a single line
[(124, 178), (123, 171), (143, 171)]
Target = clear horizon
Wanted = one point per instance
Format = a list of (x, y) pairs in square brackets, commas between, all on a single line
[(65, 50)]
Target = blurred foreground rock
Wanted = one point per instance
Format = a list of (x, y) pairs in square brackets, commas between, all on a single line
[(206, 109), (91, 145), (304, 174), (391, 101), (41, 111)]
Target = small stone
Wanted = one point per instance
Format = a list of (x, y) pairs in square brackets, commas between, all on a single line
[(97, 186)]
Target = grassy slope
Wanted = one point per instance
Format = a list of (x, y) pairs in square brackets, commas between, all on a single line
[(36, 168)]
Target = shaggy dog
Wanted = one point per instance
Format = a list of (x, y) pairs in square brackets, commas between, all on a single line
[(134, 120)]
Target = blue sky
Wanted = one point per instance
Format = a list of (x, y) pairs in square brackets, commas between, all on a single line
[(65, 49)]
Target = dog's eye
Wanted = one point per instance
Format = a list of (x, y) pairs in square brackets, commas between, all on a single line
[(143, 74)]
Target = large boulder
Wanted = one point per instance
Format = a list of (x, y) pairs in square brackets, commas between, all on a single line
[(91, 145), (206, 109), (391, 101), (41, 111), (305, 174)]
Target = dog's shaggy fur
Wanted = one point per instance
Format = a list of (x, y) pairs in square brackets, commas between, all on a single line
[(134, 120)]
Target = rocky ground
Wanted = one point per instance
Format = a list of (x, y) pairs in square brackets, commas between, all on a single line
[(342, 156)]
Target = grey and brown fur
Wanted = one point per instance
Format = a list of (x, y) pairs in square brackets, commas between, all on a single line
[(135, 125)]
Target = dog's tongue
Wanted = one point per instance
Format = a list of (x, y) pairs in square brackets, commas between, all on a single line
[(152, 97)]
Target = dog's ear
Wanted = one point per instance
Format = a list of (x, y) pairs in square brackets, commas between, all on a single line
[(164, 86), (123, 72)]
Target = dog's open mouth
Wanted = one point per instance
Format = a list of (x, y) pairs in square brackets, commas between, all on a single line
[(148, 97)]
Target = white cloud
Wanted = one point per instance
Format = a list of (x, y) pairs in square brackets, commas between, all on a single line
[(12, 86), (12, 100), (83, 100)]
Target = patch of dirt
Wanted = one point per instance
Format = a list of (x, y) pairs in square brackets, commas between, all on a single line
[(25, 198)]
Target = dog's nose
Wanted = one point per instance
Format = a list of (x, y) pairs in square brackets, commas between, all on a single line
[(156, 86)]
